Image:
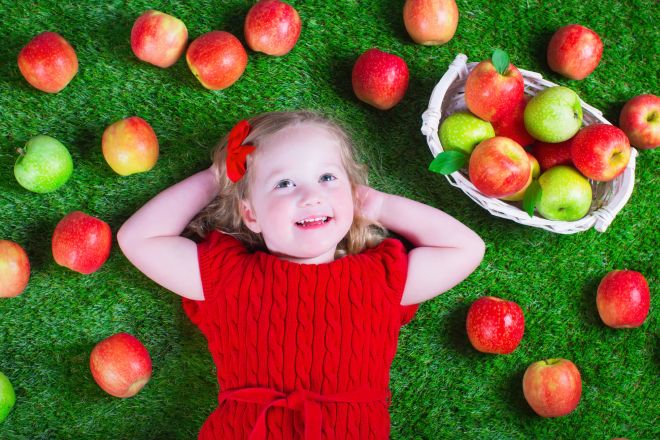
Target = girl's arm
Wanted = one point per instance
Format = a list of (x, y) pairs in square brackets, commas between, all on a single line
[(445, 253), (150, 237)]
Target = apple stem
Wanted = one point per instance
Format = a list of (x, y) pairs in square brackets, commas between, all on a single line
[(20, 151)]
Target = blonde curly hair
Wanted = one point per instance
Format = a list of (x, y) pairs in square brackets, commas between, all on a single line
[(224, 214)]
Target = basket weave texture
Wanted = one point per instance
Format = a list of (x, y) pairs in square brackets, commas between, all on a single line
[(608, 197)]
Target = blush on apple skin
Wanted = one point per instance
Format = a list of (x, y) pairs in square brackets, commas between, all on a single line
[(494, 325), (48, 62), (130, 146), (14, 269), (552, 387), (491, 95), (430, 23), (380, 78), (272, 27), (574, 51), (623, 299), (158, 38), (81, 242), (512, 125), (600, 151), (550, 155), (217, 59), (499, 167), (640, 120)]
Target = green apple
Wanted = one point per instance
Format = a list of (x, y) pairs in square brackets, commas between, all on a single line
[(565, 194), (554, 115), (7, 397), (463, 131), (44, 165)]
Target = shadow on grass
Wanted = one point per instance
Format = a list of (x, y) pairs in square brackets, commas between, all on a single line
[(456, 337), (515, 397), (37, 245), (588, 308)]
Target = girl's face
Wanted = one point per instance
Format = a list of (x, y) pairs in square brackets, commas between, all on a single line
[(301, 200)]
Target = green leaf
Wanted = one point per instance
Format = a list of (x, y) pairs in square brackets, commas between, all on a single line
[(449, 161), (532, 197), (500, 61)]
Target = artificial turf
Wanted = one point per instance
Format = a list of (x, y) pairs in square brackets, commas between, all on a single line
[(442, 387)]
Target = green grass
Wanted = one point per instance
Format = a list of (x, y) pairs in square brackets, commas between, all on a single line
[(442, 388)]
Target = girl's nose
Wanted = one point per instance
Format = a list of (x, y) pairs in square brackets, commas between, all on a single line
[(310, 197)]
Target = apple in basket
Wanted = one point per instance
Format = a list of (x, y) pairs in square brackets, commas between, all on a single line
[(499, 167), (462, 131), (217, 59), (554, 115), (495, 325), (130, 146), (81, 242), (380, 78), (600, 151), (640, 120), (623, 299), (535, 171), (14, 269), (574, 51), (158, 38), (512, 125), (44, 165), (552, 387), (272, 27), (48, 62), (494, 87), (565, 194), (550, 155), (7, 397), (430, 23)]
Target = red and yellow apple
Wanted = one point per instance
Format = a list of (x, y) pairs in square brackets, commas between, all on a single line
[(495, 325), (48, 62), (623, 299), (120, 365), (430, 22), (512, 125), (492, 95), (552, 387), (158, 38), (130, 146), (640, 120), (14, 269), (600, 151), (550, 155), (81, 242), (272, 27), (380, 78), (534, 173), (499, 167), (217, 59), (574, 51)]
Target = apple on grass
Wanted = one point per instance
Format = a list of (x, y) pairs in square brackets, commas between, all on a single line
[(565, 194), (550, 155), (120, 365), (14, 269), (217, 59), (600, 151), (158, 38), (494, 88), (44, 165), (7, 397), (272, 27), (495, 325), (430, 22), (640, 120), (554, 115), (623, 299), (462, 131), (48, 62), (499, 167), (574, 51), (81, 242), (552, 387), (130, 146), (380, 78)]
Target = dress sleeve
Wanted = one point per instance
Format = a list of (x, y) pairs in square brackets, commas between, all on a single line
[(395, 262), (217, 256)]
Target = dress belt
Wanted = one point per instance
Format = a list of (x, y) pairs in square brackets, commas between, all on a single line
[(308, 402)]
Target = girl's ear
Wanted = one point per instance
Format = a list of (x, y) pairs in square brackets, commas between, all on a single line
[(249, 218)]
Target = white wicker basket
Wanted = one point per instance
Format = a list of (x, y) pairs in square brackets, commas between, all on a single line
[(608, 197)]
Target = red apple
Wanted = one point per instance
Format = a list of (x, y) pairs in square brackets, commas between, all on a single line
[(623, 299), (158, 38), (48, 62), (492, 95), (552, 387), (120, 365), (14, 269), (534, 173), (217, 59), (272, 27), (380, 78), (499, 167), (550, 155), (130, 146), (512, 125), (495, 325), (640, 120), (81, 242), (600, 151), (574, 51), (430, 22)]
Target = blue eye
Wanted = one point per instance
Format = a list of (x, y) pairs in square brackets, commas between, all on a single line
[(328, 177), (286, 183)]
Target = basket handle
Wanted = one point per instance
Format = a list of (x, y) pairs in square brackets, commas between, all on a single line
[(605, 215)]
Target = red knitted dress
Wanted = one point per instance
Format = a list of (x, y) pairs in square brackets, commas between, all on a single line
[(302, 351)]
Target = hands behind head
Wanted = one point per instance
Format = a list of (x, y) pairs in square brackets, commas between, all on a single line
[(370, 202)]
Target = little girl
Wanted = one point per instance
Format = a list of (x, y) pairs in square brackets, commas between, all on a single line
[(300, 296)]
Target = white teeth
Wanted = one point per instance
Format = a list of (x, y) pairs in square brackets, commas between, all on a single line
[(310, 220)]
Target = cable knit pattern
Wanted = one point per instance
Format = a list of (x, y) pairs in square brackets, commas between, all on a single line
[(278, 327)]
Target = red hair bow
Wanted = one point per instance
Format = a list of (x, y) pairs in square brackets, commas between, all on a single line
[(236, 152)]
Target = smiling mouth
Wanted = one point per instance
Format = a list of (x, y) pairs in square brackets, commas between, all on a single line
[(313, 221)]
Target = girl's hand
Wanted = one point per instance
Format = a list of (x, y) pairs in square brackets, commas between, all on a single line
[(370, 202)]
